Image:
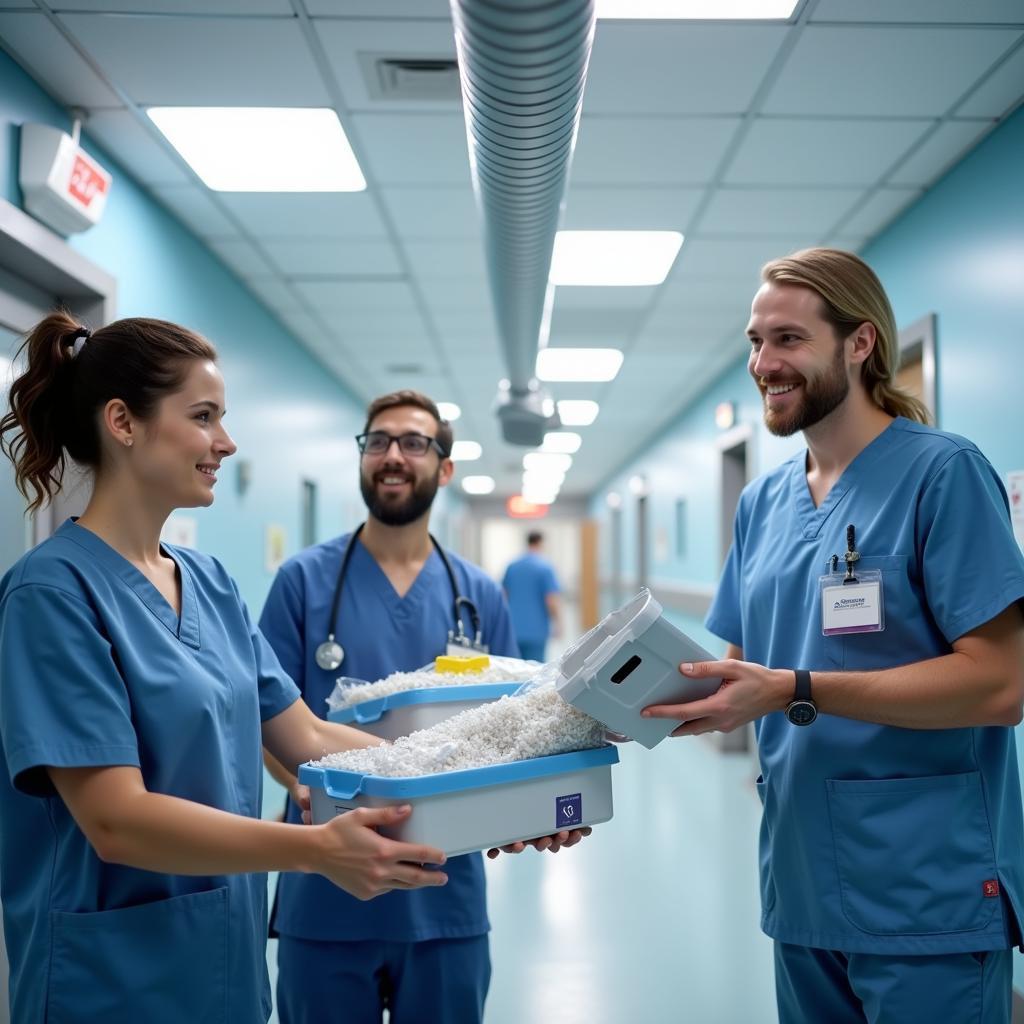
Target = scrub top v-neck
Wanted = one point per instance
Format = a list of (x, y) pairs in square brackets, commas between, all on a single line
[(877, 839), (96, 669)]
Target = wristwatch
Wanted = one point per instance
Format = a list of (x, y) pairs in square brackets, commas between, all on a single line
[(802, 710)]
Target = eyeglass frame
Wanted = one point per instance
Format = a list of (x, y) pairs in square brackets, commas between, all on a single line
[(397, 438)]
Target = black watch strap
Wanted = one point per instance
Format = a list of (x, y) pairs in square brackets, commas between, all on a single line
[(803, 685)]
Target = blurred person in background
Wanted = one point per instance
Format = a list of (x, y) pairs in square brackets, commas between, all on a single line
[(534, 599)]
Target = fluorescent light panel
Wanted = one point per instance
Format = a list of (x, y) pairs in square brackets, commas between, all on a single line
[(577, 412), (562, 441), (547, 462), (449, 411), (263, 149), (613, 258), (703, 10), (466, 451), (578, 364), (478, 484)]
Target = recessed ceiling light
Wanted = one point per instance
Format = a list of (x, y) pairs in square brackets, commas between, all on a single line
[(466, 451), (547, 462), (478, 484), (449, 411), (613, 258), (561, 441), (263, 149), (577, 412), (704, 10), (578, 364), (543, 478)]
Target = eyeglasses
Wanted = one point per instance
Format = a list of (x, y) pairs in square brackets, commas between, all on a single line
[(377, 442)]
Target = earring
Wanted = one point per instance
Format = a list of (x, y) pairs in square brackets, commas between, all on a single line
[(128, 442)]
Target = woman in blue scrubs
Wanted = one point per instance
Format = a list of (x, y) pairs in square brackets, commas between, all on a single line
[(885, 685), (135, 697)]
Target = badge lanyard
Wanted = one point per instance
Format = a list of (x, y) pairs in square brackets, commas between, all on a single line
[(851, 602), (330, 654)]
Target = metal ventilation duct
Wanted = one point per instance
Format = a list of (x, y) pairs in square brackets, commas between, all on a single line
[(523, 64)]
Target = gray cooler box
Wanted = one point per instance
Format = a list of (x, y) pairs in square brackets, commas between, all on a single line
[(399, 714), (629, 661), (477, 808)]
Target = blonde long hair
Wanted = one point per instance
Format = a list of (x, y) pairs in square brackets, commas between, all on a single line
[(853, 295)]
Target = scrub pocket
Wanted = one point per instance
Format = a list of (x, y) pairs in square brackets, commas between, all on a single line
[(767, 880), (162, 963), (913, 854)]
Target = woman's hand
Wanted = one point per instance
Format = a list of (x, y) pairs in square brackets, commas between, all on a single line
[(356, 857)]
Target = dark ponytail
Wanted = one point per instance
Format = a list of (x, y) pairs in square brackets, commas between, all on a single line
[(71, 375)]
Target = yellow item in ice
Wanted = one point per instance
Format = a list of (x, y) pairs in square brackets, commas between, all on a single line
[(470, 663)]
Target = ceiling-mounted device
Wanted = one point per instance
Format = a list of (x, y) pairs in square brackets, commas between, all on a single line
[(61, 184)]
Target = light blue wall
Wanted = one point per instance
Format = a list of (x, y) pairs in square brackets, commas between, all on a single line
[(958, 252), (290, 419)]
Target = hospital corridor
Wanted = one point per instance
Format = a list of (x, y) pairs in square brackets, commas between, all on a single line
[(511, 510)]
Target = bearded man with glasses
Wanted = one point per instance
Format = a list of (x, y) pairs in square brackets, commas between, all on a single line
[(424, 959)]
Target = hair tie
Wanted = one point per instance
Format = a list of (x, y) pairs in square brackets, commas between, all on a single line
[(78, 339)]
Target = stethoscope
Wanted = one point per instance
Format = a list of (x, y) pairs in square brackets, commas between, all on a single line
[(330, 654)]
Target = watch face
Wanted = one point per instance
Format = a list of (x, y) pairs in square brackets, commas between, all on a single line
[(801, 712)]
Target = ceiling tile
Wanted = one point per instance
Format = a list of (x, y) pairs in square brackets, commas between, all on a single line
[(949, 143), (231, 61), (998, 93), (276, 294), (621, 209), (241, 257), (728, 297), (447, 260), (51, 60), (776, 211), (135, 148), (193, 205), (678, 67), (599, 323), (433, 212), (309, 257), (915, 72), (234, 7), (380, 8), (793, 151), (307, 214), (733, 258), (879, 210), (405, 149), (392, 296), (352, 47), (650, 150), (936, 11), (571, 297), (361, 326)]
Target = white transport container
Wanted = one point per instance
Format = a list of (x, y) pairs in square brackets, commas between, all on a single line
[(629, 661), (399, 714), (478, 808)]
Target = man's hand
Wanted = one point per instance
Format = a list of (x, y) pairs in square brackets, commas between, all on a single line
[(552, 843), (748, 691)]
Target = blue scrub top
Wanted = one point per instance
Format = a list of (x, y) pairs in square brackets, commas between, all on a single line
[(528, 581), (877, 839), (381, 633), (97, 670)]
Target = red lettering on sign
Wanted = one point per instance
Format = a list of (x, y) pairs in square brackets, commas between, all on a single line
[(86, 183)]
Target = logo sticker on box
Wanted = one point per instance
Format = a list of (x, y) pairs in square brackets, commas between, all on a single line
[(568, 811)]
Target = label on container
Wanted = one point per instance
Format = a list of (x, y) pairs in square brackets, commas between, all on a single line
[(568, 811)]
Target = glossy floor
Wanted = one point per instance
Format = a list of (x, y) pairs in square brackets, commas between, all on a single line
[(654, 918)]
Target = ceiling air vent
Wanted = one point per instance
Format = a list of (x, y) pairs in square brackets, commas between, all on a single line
[(408, 369), (411, 78)]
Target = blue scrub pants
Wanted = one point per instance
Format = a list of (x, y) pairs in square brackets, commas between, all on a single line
[(816, 985), (444, 980), (532, 650)]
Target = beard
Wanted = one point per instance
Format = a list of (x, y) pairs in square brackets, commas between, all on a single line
[(395, 511), (822, 395)]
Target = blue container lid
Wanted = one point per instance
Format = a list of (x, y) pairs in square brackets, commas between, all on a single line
[(343, 785), (374, 710)]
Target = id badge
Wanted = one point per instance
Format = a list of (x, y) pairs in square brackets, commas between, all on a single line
[(853, 606)]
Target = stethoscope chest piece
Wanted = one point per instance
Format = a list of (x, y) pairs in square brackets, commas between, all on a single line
[(330, 654)]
